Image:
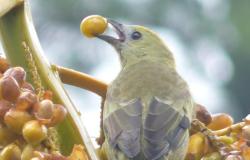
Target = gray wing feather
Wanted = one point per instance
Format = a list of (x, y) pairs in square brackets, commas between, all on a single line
[(178, 132), (163, 129), (160, 134), (122, 128)]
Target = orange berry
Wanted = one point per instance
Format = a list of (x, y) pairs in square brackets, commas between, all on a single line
[(4, 65), (94, 25), (246, 153), (220, 121), (78, 153), (48, 95)]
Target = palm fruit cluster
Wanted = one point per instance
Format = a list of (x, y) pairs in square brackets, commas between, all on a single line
[(221, 140), (27, 120)]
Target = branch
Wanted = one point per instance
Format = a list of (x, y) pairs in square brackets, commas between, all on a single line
[(78, 79)]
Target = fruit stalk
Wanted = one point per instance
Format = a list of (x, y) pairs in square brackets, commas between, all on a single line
[(16, 29), (81, 80)]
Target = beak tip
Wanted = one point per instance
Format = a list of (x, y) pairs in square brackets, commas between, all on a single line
[(119, 30)]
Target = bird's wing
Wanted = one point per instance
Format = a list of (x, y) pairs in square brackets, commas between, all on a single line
[(164, 129), (122, 128)]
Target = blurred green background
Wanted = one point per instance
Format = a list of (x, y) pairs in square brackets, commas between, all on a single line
[(209, 38)]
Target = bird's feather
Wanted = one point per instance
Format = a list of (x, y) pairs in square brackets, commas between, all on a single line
[(126, 130), (122, 128), (164, 129)]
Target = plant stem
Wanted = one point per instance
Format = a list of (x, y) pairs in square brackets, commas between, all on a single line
[(81, 80), (87, 82), (229, 129), (16, 27), (7, 5)]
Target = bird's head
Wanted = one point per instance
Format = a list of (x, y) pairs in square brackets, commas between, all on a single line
[(136, 43)]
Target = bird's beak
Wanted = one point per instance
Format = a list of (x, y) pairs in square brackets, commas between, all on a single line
[(119, 29)]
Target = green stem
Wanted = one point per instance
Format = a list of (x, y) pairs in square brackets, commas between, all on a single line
[(6, 6), (16, 28)]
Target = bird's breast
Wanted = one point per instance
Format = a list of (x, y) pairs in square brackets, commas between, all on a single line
[(146, 80)]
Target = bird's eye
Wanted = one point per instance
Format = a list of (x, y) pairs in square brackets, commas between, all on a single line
[(136, 35)]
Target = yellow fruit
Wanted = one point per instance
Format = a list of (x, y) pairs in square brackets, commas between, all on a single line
[(6, 136), (34, 132), (220, 121), (78, 153), (94, 25), (11, 152), (15, 119), (196, 146), (27, 153), (102, 154)]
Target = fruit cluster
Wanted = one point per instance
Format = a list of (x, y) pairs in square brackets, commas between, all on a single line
[(221, 140), (26, 119)]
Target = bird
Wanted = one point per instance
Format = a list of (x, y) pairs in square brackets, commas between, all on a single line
[(148, 108)]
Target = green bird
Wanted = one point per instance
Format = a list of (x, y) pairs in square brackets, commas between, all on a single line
[(148, 108)]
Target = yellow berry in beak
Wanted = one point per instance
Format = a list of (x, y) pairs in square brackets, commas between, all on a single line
[(94, 25)]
